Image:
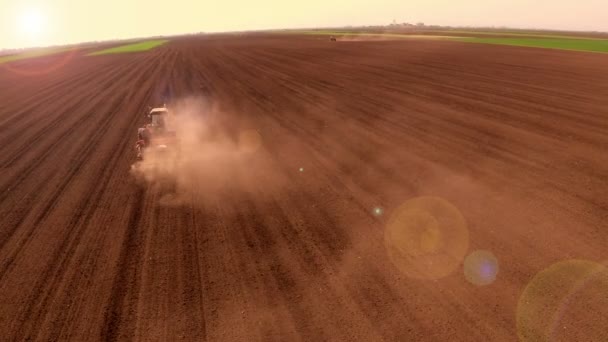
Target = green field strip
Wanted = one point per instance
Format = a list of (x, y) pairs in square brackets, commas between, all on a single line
[(129, 48), (547, 43), (517, 34)]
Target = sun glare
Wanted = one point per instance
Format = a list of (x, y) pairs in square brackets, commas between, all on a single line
[(32, 23)]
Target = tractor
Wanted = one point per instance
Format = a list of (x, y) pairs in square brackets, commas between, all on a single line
[(155, 136)]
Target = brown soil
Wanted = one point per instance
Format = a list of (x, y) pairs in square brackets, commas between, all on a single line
[(514, 138)]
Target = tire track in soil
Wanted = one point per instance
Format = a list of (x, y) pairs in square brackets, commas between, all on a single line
[(47, 85), (121, 313), (52, 125), (46, 94), (152, 319), (143, 97), (74, 229), (129, 256), (85, 209), (24, 174), (46, 210)]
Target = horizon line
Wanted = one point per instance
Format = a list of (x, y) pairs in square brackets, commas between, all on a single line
[(108, 40)]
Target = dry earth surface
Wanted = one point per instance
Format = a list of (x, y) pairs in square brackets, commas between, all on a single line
[(286, 243)]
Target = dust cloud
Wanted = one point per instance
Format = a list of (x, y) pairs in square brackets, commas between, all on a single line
[(207, 155)]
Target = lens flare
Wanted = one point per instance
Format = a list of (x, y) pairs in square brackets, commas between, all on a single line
[(33, 68), (480, 268), (566, 302), (426, 238)]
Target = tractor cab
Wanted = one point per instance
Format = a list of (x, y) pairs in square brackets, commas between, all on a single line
[(158, 118)]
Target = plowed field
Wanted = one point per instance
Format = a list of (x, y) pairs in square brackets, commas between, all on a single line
[(289, 242)]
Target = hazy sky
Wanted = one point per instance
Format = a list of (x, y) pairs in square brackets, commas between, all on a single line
[(49, 22)]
